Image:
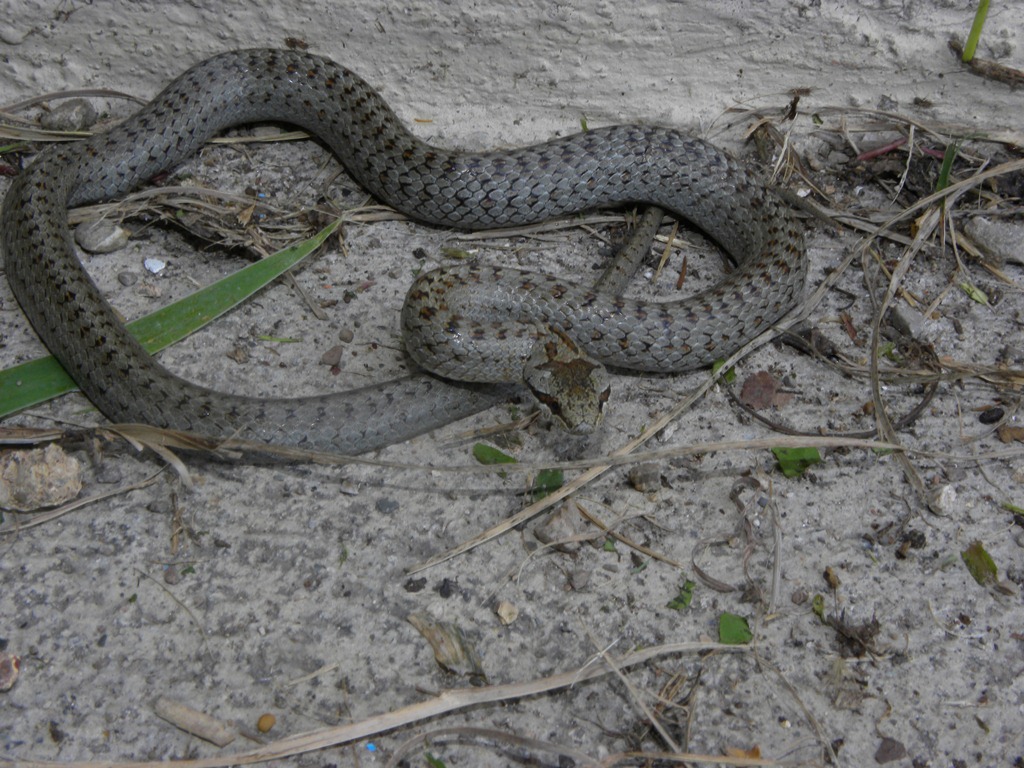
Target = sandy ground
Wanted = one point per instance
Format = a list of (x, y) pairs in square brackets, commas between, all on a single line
[(286, 590)]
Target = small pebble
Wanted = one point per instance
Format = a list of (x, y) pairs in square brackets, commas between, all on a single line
[(908, 321), (10, 668), (11, 36), (160, 506), (127, 278), (38, 478), (265, 723), (941, 501), (578, 578), (101, 236), (1000, 240), (108, 473), (646, 477), (991, 415), (562, 528), (156, 266), (889, 750), (507, 612), (387, 506), (346, 335), (332, 356)]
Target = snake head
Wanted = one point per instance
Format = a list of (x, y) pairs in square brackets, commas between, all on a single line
[(572, 386)]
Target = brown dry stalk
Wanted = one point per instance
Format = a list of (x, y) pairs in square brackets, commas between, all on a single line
[(448, 701)]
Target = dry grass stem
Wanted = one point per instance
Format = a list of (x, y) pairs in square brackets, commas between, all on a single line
[(447, 701)]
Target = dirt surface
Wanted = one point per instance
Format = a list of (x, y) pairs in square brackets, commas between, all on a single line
[(287, 590)]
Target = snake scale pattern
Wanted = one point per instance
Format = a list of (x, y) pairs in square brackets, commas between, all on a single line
[(466, 190)]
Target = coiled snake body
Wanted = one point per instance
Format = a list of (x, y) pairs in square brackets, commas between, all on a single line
[(607, 166)]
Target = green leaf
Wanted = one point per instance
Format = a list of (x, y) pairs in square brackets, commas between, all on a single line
[(974, 293), (980, 564), (456, 253), (488, 454), (37, 381), (31, 383), (682, 601), (733, 630), (818, 606), (609, 544), (795, 461), (888, 351), (729, 376), (432, 761), (1018, 511), (546, 482)]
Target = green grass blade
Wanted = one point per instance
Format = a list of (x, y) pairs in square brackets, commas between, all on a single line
[(39, 380), (946, 168), (975, 34), (947, 165)]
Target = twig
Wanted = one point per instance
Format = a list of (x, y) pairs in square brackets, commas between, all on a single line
[(989, 69), (448, 701)]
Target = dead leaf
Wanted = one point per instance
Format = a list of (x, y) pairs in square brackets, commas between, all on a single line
[(1008, 434), (762, 390), (452, 650)]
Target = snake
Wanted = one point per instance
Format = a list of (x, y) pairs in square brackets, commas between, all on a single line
[(448, 320)]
